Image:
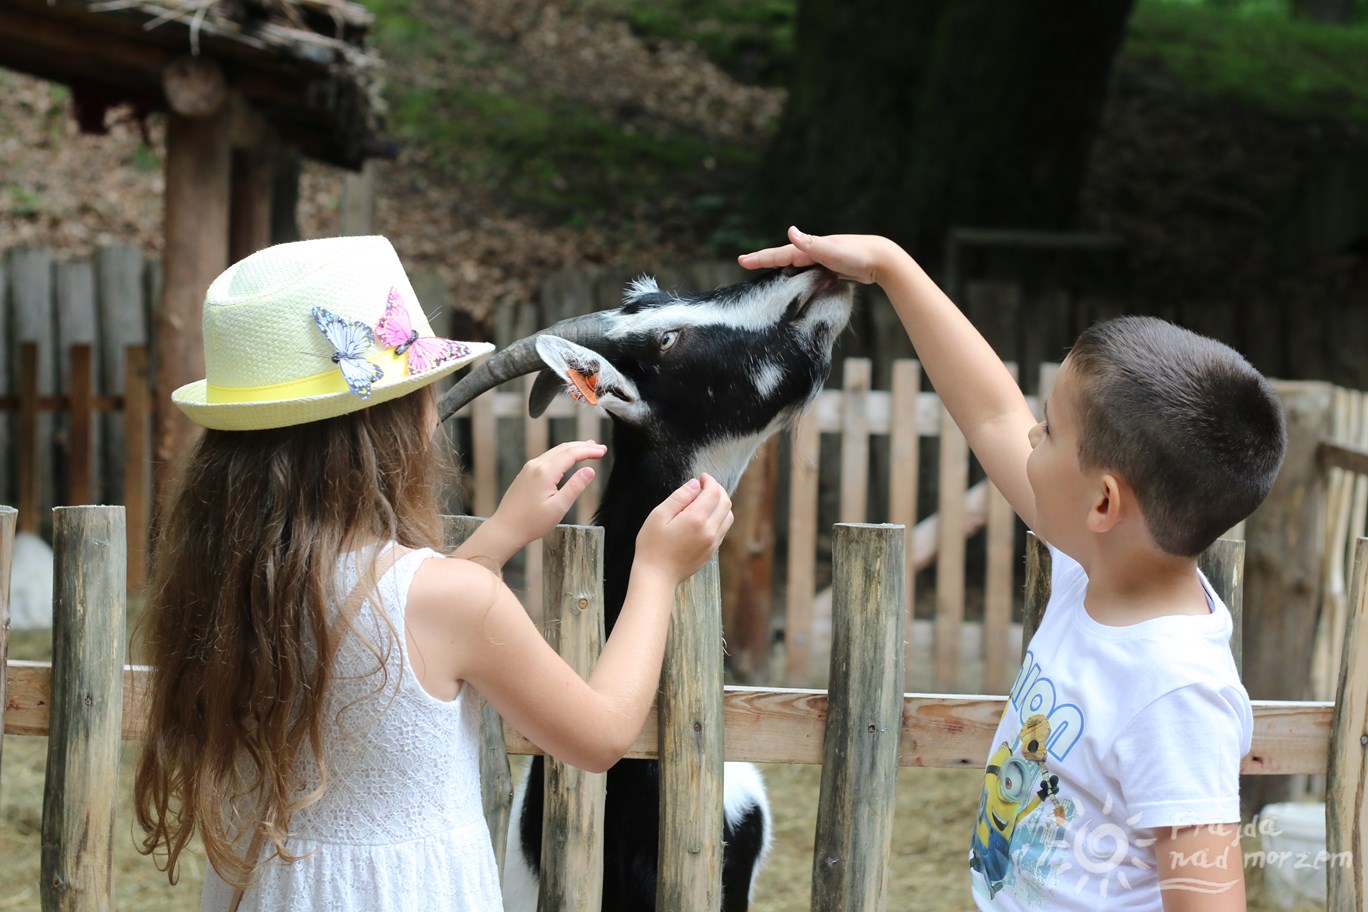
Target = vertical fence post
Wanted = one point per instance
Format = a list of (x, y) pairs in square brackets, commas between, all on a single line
[(81, 784), (1346, 793), (864, 720), (496, 777), (29, 446), (80, 422), (8, 519), (1223, 566), (802, 545), (572, 815), (904, 447), (136, 435), (691, 750), (954, 482)]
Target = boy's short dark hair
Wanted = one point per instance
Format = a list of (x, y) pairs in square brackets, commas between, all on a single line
[(1195, 430)]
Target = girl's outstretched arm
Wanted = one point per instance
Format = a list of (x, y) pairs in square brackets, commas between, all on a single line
[(464, 625)]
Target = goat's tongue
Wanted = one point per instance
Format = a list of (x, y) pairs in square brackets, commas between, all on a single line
[(583, 387)]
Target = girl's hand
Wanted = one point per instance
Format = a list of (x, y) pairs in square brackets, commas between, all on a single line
[(685, 529), (852, 256), (536, 501)]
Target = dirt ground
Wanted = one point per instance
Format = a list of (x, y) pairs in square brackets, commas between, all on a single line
[(928, 873)]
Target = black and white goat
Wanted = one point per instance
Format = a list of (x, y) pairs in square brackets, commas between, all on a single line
[(693, 383)]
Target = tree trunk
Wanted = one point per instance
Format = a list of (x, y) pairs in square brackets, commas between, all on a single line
[(908, 119)]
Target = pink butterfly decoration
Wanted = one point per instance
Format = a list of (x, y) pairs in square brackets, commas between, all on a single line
[(396, 331)]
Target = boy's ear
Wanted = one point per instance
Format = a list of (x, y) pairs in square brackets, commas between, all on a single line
[(1110, 497)]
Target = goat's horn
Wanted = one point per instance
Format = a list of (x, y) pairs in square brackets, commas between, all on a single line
[(518, 359)]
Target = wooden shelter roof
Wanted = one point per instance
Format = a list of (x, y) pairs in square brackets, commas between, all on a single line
[(303, 65)]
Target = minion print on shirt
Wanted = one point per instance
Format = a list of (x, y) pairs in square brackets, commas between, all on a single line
[(1016, 782)]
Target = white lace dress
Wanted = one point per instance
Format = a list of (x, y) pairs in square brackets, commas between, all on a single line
[(400, 826)]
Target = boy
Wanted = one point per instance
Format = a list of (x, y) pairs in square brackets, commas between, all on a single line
[(1113, 782)]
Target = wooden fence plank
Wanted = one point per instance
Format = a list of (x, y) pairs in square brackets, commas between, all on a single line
[(904, 449), (1283, 569), (80, 419), (747, 567), (484, 442), (137, 463), (690, 732), (29, 447), (31, 280), (588, 426), (496, 777), (9, 521), (954, 481), (999, 563), (571, 875), (864, 721), (536, 439), (1346, 799), (7, 384), (1223, 566), (124, 308), (74, 284), (855, 440), (785, 725), (998, 589), (81, 783), (802, 545)]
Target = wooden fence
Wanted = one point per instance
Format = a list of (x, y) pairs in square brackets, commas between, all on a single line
[(86, 700)]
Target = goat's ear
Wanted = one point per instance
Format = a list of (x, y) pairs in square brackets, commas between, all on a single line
[(577, 367), (544, 389)]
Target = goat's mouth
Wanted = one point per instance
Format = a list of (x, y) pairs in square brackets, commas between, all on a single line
[(827, 286)]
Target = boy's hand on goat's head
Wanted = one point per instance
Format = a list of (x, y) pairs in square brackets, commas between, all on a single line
[(686, 528), (851, 256), (536, 501)]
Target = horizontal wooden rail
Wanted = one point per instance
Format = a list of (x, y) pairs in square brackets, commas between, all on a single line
[(101, 403), (785, 725), (1336, 455)]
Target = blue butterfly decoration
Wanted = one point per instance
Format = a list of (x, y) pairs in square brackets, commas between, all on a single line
[(351, 339)]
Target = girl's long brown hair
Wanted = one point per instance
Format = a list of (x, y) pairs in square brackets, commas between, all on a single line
[(238, 626)]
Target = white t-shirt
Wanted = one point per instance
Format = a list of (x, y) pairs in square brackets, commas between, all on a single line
[(1108, 732)]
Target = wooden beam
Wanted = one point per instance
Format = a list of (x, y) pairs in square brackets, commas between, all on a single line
[(196, 251), (1336, 455), (194, 86), (785, 725)]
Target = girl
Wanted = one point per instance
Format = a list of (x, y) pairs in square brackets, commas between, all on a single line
[(318, 666)]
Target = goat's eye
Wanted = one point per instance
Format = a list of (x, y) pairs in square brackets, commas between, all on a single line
[(668, 339)]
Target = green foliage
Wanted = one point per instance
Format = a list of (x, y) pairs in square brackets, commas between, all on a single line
[(24, 201), (145, 159), (750, 39), (552, 155), (1254, 52)]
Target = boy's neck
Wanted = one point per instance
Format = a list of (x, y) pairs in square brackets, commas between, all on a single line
[(1141, 584)]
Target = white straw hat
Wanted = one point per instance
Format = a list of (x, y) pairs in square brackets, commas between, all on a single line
[(311, 330)]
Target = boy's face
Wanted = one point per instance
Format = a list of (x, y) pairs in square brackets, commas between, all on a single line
[(1062, 489)]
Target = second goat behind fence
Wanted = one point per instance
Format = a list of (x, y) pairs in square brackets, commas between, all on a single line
[(693, 383)]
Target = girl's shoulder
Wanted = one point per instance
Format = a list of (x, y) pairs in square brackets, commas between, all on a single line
[(446, 584)]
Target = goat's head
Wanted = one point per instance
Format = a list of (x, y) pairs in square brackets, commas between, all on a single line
[(704, 377)]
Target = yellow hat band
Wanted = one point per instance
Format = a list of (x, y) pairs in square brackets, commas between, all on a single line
[(331, 381)]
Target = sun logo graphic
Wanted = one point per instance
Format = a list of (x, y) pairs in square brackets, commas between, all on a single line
[(1104, 852)]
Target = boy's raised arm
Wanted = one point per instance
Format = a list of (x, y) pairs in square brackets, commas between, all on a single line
[(968, 375)]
